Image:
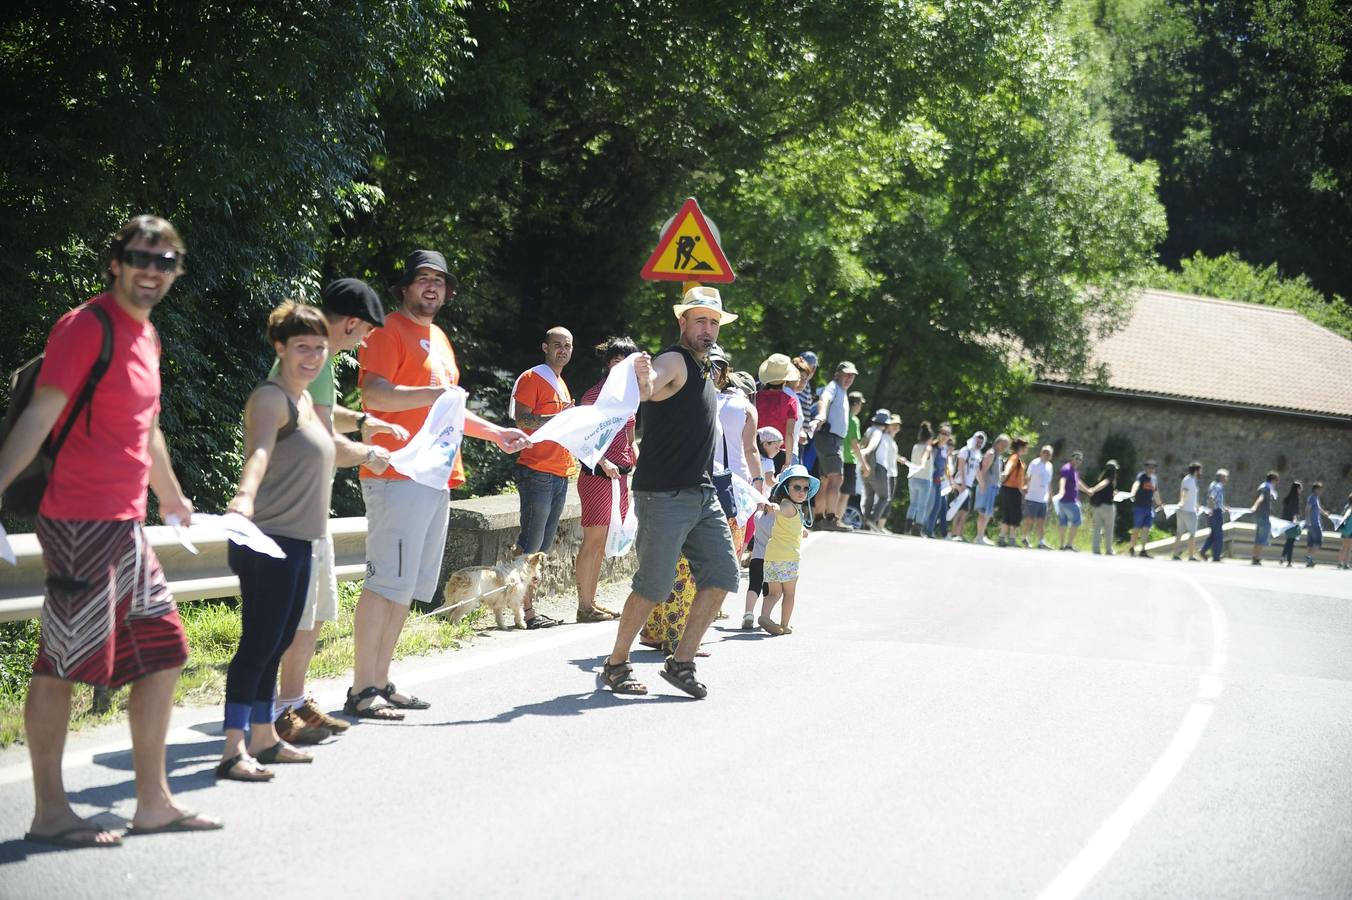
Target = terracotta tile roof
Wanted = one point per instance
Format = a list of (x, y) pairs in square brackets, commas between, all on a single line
[(1268, 357)]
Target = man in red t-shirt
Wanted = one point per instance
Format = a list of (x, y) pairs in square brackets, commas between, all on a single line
[(108, 618)]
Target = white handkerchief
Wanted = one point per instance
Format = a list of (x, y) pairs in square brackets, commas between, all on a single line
[(1237, 514), (1278, 526), (912, 468), (6, 551), (238, 530), (182, 534), (1337, 521), (956, 505), (429, 456), (1119, 496), (586, 431), (1170, 509)]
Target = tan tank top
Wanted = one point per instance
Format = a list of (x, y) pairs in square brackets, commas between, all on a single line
[(293, 500)]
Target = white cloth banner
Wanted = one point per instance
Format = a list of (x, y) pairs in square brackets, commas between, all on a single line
[(622, 532), (1237, 514), (586, 431), (232, 526), (912, 468), (6, 551), (429, 456), (1119, 496), (1170, 509), (1278, 527), (747, 498), (956, 505), (1336, 520)]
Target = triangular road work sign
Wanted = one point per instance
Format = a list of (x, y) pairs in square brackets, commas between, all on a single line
[(688, 251)]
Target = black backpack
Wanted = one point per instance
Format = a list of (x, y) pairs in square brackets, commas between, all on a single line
[(24, 495)]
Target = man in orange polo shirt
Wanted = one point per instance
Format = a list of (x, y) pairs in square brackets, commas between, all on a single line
[(542, 472), (405, 367)]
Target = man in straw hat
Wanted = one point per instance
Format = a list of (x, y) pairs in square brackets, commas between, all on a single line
[(678, 510)]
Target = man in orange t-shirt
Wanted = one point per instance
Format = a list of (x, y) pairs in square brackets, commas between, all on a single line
[(542, 472), (405, 367)]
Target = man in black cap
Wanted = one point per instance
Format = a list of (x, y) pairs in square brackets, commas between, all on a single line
[(352, 310), (406, 367)]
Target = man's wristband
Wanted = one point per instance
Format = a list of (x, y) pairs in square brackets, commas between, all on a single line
[(361, 421)]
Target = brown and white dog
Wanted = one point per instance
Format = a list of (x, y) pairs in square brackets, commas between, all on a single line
[(498, 588)]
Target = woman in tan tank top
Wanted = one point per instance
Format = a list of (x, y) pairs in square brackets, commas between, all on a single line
[(284, 488)]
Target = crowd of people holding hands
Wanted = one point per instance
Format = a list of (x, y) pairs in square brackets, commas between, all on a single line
[(735, 470)]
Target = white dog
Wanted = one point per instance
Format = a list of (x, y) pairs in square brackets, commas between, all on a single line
[(499, 588)]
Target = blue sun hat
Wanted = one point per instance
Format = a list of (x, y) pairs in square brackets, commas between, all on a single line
[(798, 471)]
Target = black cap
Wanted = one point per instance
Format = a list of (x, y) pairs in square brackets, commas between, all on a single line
[(353, 297), (426, 259)]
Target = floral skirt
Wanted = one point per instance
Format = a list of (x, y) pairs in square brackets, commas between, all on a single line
[(666, 623)]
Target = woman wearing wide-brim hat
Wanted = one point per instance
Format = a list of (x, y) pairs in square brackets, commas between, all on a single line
[(776, 405)]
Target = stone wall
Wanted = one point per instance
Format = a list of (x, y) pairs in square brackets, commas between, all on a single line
[(483, 532), (1247, 443)]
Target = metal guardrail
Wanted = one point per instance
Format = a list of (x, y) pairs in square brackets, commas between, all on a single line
[(205, 576)]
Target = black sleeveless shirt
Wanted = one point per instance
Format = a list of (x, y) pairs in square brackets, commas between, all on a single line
[(678, 433)]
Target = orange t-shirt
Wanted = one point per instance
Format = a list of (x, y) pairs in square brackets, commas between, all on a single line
[(1017, 474), (534, 392), (410, 355)]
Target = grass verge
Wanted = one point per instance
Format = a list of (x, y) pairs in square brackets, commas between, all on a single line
[(213, 634)]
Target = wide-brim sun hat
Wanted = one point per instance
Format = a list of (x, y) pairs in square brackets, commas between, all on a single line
[(894, 419), (776, 368), (704, 298), (797, 470)]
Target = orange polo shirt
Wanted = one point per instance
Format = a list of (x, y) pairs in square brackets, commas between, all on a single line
[(534, 393), (410, 355)]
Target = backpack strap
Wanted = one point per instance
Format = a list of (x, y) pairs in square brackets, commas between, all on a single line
[(96, 373)]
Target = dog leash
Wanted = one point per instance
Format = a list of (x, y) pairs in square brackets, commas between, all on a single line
[(443, 610)]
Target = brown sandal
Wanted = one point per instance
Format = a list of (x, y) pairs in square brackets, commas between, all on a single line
[(620, 679), (593, 614)]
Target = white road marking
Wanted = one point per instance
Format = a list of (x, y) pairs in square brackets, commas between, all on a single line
[(1113, 833)]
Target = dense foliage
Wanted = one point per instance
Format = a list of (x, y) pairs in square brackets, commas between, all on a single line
[(917, 187)]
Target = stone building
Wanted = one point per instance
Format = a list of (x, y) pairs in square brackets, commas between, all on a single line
[(1246, 387)]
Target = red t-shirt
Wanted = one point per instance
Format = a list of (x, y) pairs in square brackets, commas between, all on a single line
[(775, 408), (102, 472)]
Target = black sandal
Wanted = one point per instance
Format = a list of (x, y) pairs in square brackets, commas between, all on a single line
[(351, 707), (540, 620), (620, 678), (682, 675), (411, 703), (226, 770)]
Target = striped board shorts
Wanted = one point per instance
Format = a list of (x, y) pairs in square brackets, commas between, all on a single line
[(108, 618)]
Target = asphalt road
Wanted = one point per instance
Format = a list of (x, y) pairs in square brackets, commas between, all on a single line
[(947, 721)]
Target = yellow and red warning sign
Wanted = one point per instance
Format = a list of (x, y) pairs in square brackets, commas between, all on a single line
[(688, 250)]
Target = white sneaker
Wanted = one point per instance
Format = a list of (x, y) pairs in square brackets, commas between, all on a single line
[(1043, 545), (981, 539), (748, 621)]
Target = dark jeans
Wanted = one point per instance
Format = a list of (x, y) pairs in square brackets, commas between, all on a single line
[(1216, 539), (1289, 549), (937, 519), (272, 598), (542, 500)]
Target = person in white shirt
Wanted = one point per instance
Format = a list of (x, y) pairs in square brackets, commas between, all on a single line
[(1186, 517), (880, 451), (969, 462), (828, 435), (918, 484), (1040, 475)]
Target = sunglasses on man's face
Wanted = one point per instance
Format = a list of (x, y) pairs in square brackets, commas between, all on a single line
[(144, 259)]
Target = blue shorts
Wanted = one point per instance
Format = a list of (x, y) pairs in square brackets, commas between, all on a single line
[(1142, 516), (985, 499), (1262, 531), (1070, 514), (1037, 510)]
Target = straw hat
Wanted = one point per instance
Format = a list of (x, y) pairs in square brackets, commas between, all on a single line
[(776, 368), (704, 298)]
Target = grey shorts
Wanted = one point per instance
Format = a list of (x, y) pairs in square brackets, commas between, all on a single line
[(321, 600), (685, 522), (1186, 522), (405, 538), (830, 453)]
